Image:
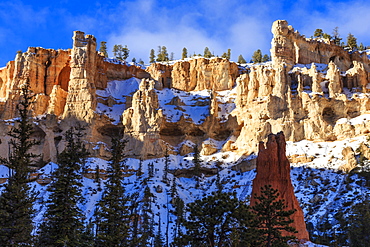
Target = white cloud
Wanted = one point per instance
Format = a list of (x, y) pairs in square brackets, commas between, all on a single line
[(218, 25)]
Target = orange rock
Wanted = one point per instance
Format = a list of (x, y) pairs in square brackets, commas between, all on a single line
[(273, 168)]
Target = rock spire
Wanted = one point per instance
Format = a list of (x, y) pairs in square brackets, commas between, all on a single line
[(273, 168)]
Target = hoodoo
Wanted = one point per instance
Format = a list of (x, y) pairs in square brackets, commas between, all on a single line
[(273, 168)]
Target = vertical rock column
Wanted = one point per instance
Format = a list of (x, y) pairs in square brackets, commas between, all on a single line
[(81, 101), (273, 168)]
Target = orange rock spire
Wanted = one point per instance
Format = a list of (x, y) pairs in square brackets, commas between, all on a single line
[(273, 168)]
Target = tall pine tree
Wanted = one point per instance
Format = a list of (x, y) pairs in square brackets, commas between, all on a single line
[(112, 213), (63, 219), (103, 48), (16, 200), (272, 218)]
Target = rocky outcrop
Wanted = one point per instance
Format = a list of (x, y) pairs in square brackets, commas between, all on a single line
[(195, 74), (202, 73), (142, 123), (273, 169), (81, 99), (289, 47), (42, 68)]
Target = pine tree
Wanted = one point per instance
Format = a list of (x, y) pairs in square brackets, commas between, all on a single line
[(265, 58), (134, 231), (152, 56), (184, 53), (257, 56), (166, 165), (351, 41), (172, 56), (134, 60), (212, 220), (227, 54), (162, 54), (361, 47), (121, 53), (336, 37), (358, 231), (63, 225), (103, 48), (146, 227), (196, 161), (207, 53), (318, 33), (241, 59), (158, 239), (272, 218), (112, 211), (179, 212), (17, 198)]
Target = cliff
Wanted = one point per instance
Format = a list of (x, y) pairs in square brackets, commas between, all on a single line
[(273, 168), (306, 91)]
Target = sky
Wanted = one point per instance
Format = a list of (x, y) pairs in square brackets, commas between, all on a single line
[(142, 25)]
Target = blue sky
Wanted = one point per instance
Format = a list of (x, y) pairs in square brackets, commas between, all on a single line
[(243, 26)]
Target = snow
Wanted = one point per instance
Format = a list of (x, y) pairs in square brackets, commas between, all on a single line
[(194, 105), (116, 90), (226, 100)]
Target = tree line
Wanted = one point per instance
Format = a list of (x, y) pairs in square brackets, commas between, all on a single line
[(121, 53), (351, 41)]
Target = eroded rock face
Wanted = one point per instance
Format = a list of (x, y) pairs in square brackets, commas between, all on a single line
[(142, 122), (202, 73), (273, 169), (289, 47)]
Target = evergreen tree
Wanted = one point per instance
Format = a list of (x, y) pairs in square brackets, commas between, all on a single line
[(227, 54), (152, 56), (196, 161), (172, 56), (272, 218), (146, 227), (134, 231), (134, 60), (103, 48), (212, 220), (158, 239), (207, 53), (17, 198), (63, 225), (257, 56), (241, 59), (184, 53), (318, 33), (162, 54), (141, 62), (179, 212), (166, 165), (358, 231), (361, 47), (265, 58), (351, 41), (326, 36), (121, 53), (139, 171), (336, 37), (112, 211)]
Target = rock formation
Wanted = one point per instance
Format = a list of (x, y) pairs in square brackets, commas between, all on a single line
[(292, 93), (289, 47), (273, 168)]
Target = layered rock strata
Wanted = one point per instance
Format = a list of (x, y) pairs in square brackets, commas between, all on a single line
[(273, 169)]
